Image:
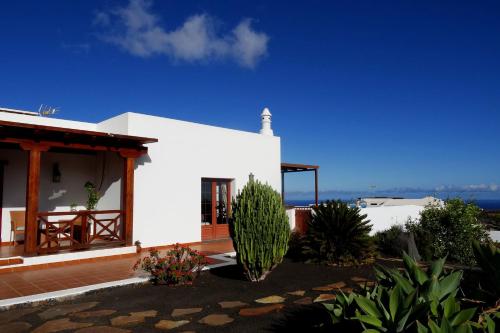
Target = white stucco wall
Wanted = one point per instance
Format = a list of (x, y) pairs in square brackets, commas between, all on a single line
[(167, 194), (167, 197), (382, 218)]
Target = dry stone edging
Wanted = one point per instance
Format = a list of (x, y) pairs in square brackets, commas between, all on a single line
[(324, 298), (11, 315)]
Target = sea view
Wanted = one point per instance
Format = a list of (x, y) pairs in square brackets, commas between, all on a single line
[(486, 204)]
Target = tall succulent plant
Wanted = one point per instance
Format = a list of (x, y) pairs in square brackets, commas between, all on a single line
[(259, 229)]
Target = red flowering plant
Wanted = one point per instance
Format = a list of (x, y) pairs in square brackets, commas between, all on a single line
[(181, 265)]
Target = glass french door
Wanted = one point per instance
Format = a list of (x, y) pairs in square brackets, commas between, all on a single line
[(215, 208)]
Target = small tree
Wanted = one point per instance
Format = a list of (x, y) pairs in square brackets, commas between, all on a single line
[(449, 230), (259, 229), (93, 195)]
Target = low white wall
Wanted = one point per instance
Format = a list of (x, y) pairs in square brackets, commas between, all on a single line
[(495, 235), (382, 218), (290, 212)]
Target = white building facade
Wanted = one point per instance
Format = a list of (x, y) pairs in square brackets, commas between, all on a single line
[(182, 186)]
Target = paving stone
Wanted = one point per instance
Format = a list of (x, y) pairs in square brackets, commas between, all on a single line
[(262, 310), (15, 327), (304, 301), (331, 287), (325, 297), (232, 304), (358, 279), (170, 324), (102, 329), (297, 293), (145, 314), (271, 299), (127, 320), (93, 314), (185, 312), (367, 283), (338, 285), (11, 315), (216, 320), (62, 310), (58, 325), (346, 290)]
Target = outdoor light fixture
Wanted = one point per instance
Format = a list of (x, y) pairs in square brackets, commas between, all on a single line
[(251, 177), (56, 173)]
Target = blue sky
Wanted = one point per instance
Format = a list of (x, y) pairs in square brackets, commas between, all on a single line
[(381, 94)]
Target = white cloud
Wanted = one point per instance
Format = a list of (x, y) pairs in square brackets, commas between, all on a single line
[(137, 30)]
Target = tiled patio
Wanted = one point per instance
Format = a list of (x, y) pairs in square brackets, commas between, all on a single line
[(67, 276)]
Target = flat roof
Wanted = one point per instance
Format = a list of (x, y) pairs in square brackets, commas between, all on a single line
[(15, 131), (293, 167)]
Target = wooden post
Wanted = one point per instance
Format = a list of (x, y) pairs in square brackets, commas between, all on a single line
[(32, 196), (316, 186), (128, 199), (2, 164), (283, 187), (129, 157)]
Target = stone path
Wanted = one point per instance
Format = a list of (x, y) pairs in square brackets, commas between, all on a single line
[(86, 317)]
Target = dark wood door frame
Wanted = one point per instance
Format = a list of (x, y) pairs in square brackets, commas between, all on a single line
[(2, 165), (216, 231)]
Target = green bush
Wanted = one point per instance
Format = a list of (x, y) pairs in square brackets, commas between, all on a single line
[(338, 234), (259, 229), (392, 241), (488, 259), (410, 301), (448, 230)]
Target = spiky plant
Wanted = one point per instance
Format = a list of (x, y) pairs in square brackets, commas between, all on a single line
[(259, 229), (338, 234)]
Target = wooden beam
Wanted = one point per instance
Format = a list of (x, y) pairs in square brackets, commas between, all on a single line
[(32, 197), (316, 186), (128, 199)]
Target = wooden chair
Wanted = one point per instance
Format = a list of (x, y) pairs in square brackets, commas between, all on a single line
[(17, 220)]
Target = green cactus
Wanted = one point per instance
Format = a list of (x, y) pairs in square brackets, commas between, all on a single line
[(259, 229)]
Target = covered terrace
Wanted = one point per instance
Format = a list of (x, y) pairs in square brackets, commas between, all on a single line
[(49, 163)]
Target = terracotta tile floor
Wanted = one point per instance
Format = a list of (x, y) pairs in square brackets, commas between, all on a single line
[(78, 275)]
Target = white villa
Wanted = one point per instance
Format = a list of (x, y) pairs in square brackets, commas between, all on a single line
[(161, 181)]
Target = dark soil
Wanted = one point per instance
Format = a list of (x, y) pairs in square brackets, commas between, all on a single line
[(227, 284)]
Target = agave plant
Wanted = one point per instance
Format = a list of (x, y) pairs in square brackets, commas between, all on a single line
[(412, 301), (337, 234)]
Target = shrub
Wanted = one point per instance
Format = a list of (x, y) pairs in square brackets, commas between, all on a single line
[(412, 301), (449, 230), (338, 234), (181, 265), (259, 229), (392, 241), (295, 246), (488, 258)]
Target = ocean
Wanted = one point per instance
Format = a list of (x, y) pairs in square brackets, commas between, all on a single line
[(486, 204)]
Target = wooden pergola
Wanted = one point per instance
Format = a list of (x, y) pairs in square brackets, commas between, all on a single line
[(293, 167), (37, 139)]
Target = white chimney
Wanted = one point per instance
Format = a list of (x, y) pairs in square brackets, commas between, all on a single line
[(266, 122)]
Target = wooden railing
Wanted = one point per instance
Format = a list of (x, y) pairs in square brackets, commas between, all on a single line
[(58, 231)]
